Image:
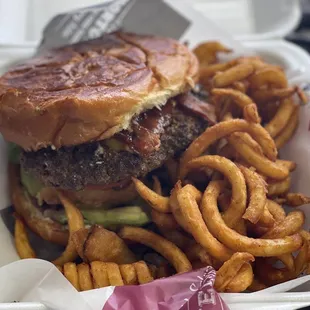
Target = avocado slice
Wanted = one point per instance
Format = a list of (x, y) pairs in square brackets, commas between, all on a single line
[(14, 153), (110, 219), (131, 215), (31, 184)]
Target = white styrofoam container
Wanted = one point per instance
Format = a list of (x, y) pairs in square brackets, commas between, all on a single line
[(259, 28), (288, 55), (243, 19), (252, 19), (22, 21)]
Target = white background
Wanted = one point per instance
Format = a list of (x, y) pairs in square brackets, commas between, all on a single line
[(22, 21)]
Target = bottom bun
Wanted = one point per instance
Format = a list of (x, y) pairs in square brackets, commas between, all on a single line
[(31, 213)]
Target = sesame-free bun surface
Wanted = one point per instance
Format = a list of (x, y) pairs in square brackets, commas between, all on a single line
[(91, 90)]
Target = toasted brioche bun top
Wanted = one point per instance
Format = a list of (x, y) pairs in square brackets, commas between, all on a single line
[(91, 90)]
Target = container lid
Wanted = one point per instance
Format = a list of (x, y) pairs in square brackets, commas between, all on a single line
[(251, 19)]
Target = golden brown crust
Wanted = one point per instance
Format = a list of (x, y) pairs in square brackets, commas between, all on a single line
[(89, 91)]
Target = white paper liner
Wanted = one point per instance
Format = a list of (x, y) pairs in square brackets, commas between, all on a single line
[(38, 280)]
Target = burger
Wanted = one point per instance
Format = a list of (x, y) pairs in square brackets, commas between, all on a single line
[(86, 118)]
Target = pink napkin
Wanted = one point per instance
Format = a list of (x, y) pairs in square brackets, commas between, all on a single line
[(187, 291)]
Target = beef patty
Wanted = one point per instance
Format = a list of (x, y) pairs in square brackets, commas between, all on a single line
[(94, 163)]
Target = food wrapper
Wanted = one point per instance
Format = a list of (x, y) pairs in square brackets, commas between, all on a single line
[(193, 290), (38, 285)]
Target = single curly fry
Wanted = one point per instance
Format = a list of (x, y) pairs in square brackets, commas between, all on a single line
[(161, 245), (257, 191), (234, 74), (158, 202), (275, 94), (262, 164), (230, 269), (288, 131), (241, 99), (242, 280), (289, 226), (250, 114), (281, 118), (206, 52), (268, 76)]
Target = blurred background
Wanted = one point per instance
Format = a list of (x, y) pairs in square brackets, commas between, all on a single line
[(301, 35), (22, 21)]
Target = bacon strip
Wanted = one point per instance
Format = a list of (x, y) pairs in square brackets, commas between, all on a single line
[(144, 138), (198, 107)]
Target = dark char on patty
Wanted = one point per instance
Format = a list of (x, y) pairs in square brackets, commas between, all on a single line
[(94, 163)]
